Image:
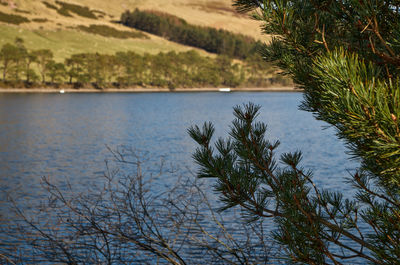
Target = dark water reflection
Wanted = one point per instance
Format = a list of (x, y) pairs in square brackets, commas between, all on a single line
[(66, 135)]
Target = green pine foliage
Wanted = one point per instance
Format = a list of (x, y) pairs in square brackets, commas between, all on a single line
[(178, 30), (12, 59), (346, 57)]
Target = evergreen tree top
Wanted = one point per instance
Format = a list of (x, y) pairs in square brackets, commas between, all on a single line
[(345, 54)]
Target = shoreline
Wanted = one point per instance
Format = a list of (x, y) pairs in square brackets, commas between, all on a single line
[(144, 90)]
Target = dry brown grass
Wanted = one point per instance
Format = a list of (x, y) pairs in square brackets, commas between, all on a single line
[(214, 13)]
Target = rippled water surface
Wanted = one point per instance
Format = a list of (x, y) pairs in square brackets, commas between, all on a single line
[(66, 135)]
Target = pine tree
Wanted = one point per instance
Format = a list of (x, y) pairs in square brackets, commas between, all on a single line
[(44, 56), (19, 58), (29, 73), (346, 57), (8, 55), (56, 71)]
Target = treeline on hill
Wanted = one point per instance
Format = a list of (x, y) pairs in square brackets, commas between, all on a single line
[(178, 30), (22, 67)]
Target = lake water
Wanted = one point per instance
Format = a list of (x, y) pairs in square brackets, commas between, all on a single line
[(66, 135)]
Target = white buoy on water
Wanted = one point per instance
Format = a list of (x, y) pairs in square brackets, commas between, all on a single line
[(227, 89)]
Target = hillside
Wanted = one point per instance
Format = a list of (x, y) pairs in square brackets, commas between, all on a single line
[(53, 27)]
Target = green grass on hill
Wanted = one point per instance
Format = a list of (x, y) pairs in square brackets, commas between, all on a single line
[(64, 43), (47, 29)]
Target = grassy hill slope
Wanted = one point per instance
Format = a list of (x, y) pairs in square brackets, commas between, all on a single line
[(65, 42), (213, 13), (52, 29)]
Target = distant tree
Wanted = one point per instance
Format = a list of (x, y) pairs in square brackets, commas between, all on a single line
[(110, 68), (230, 72), (30, 58), (33, 77), (19, 58), (8, 54), (78, 67), (56, 71), (43, 56), (258, 72), (73, 67), (95, 66), (132, 68)]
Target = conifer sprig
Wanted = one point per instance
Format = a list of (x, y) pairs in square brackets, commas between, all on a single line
[(346, 57)]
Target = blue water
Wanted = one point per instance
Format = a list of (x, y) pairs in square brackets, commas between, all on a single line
[(66, 135)]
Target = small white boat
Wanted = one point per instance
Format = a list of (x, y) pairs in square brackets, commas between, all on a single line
[(62, 91), (227, 89)]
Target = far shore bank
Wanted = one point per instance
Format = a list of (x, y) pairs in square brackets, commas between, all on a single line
[(143, 90)]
